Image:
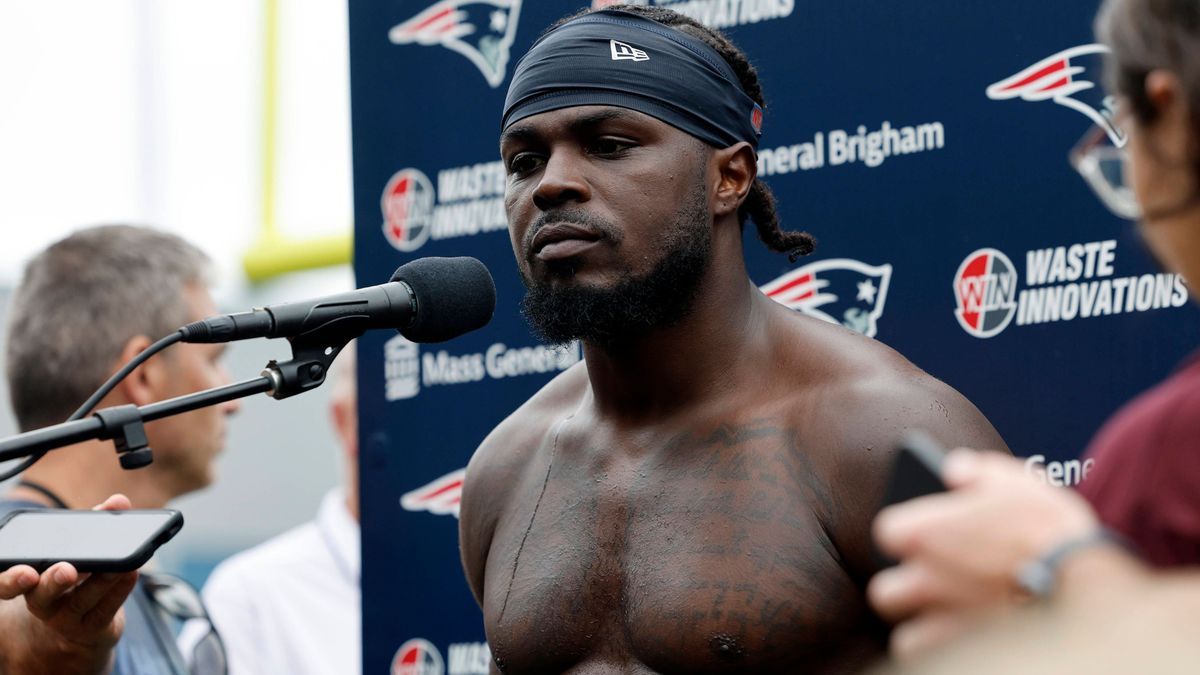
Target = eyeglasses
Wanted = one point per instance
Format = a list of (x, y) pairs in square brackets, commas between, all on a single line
[(180, 599), (1102, 165)]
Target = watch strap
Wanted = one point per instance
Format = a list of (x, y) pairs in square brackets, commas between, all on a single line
[(1039, 577)]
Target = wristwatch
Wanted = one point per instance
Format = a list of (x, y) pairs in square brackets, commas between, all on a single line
[(1039, 577)]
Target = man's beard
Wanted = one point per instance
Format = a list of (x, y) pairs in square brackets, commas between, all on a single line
[(635, 306)]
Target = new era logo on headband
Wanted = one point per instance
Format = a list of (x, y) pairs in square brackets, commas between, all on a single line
[(624, 52)]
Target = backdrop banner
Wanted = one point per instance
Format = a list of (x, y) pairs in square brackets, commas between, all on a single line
[(924, 144)]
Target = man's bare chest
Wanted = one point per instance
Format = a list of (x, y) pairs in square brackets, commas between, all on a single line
[(711, 555)]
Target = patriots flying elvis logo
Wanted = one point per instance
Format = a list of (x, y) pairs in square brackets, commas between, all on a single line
[(1069, 78), (440, 497), (838, 290), (481, 30)]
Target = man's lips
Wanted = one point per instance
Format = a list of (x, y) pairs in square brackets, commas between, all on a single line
[(562, 240)]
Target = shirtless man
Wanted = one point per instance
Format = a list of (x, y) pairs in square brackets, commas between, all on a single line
[(696, 496)]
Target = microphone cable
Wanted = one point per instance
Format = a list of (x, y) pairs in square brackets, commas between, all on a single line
[(99, 395)]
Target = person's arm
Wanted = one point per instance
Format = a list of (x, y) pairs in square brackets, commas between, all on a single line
[(962, 552), (496, 467), (482, 498), (62, 621)]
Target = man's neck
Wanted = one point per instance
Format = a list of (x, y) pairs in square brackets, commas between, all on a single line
[(678, 367), (86, 474)]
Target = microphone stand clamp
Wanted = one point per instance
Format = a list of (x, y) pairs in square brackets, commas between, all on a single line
[(312, 355), (123, 425)]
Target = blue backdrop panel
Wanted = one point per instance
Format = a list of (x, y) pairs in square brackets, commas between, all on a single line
[(925, 144)]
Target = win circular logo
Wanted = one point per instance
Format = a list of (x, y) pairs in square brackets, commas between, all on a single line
[(985, 289), (417, 657), (407, 206)]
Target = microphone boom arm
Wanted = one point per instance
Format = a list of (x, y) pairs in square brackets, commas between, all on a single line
[(312, 355), (123, 423)]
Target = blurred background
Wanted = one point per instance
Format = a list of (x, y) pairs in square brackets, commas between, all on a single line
[(224, 121)]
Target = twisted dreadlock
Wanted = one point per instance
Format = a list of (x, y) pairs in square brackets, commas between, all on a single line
[(760, 204)]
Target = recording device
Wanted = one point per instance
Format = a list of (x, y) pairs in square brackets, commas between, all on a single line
[(916, 472), (92, 541), (427, 300)]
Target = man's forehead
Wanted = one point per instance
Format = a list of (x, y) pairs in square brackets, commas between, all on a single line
[(576, 119), (199, 299)]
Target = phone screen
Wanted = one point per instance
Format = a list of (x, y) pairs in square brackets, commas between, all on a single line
[(79, 535)]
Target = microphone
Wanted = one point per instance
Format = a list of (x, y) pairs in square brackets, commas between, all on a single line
[(427, 300)]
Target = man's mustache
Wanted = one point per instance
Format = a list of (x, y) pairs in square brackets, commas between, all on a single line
[(600, 226)]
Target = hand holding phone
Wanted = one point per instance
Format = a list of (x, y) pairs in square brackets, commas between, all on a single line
[(69, 620)]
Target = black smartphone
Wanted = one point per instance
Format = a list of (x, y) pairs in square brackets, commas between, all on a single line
[(916, 472), (92, 541), (917, 469)]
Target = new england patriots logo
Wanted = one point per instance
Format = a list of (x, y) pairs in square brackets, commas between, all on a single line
[(440, 497), (481, 30), (1069, 79), (840, 290)]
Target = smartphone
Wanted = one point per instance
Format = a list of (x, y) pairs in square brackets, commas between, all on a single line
[(92, 541), (916, 472), (917, 469)]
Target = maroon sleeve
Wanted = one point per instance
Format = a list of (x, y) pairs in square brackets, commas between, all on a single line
[(1145, 481)]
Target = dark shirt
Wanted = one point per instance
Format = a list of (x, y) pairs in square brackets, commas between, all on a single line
[(147, 646), (1145, 483)]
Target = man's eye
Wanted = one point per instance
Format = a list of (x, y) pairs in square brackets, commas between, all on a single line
[(610, 146), (524, 163)]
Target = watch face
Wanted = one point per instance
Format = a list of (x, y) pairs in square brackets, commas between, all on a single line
[(1037, 578)]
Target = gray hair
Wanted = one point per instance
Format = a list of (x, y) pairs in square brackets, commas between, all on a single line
[(80, 302), (1147, 35)]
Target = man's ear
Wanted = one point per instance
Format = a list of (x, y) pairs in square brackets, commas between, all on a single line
[(345, 424), (143, 384), (1162, 88), (737, 168), (1173, 129)]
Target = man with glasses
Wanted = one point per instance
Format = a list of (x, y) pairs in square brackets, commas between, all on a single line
[(86, 306)]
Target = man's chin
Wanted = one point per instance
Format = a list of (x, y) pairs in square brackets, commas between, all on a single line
[(202, 477), (579, 278)]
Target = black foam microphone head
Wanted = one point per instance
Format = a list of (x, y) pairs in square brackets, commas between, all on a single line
[(454, 296)]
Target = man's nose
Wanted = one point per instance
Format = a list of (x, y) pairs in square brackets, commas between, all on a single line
[(228, 407), (562, 181), (231, 407)]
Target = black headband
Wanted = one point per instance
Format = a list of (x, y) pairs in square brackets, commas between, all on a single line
[(621, 59)]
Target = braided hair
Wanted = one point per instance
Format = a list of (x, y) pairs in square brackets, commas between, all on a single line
[(760, 204)]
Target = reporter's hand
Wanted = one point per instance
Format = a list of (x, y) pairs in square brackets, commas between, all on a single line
[(70, 621), (16, 581), (960, 551)]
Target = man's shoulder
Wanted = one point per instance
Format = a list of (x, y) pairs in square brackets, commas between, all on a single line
[(834, 350), (500, 461), (865, 393), (265, 561), (507, 449), (515, 438), (8, 505), (854, 400)]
